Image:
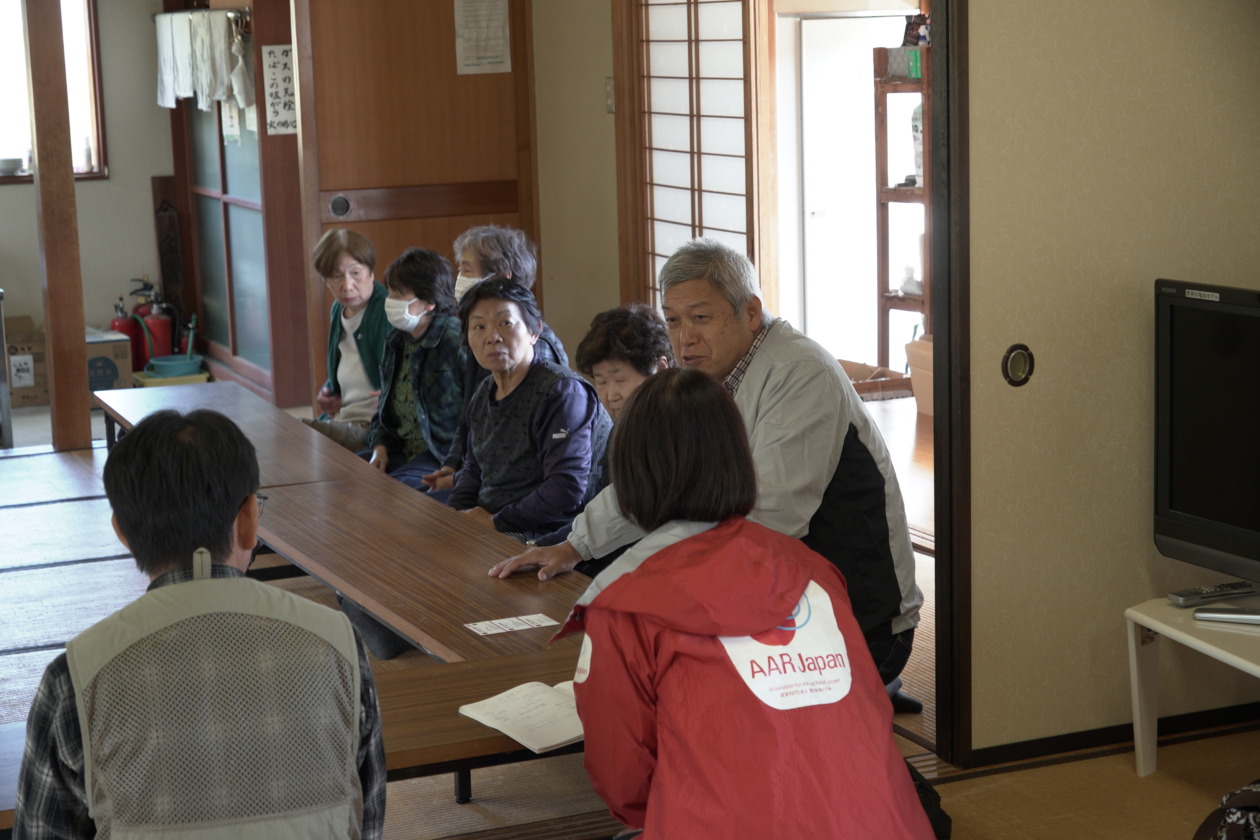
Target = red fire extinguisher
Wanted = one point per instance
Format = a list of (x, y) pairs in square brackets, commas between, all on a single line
[(152, 316), (145, 296), (161, 327), (130, 327)]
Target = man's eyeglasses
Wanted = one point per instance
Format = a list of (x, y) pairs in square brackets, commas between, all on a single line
[(262, 501)]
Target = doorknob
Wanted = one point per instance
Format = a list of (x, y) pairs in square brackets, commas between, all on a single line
[(339, 206)]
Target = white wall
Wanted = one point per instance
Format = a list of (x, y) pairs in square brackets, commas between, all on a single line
[(792, 7), (1106, 151), (577, 163), (116, 233)]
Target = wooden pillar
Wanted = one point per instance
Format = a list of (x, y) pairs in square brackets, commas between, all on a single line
[(58, 227)]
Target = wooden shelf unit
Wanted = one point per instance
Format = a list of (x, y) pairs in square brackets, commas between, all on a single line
[(887, 294)]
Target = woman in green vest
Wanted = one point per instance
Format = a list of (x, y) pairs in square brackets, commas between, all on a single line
[(357, 331)]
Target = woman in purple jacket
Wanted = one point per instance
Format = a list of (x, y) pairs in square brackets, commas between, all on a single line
[(536, 430)]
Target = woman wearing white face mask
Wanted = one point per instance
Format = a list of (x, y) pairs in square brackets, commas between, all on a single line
[(422, 370), (487, 251)]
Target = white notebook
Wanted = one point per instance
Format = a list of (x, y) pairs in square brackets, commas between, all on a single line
[(540, 716)]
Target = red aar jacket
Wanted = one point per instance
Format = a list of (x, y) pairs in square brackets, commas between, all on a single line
[(726, 691)]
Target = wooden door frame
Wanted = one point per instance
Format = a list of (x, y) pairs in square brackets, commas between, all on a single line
[(628, 92), (949, 237), (951, 362), (949, 259), (308, 181), (636, 266)]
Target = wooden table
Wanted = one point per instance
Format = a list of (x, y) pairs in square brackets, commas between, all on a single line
[(414, 563), (423, 730), (289, 452), (417, 565)]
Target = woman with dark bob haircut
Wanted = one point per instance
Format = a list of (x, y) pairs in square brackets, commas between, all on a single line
[(624, 346), (724, 686)]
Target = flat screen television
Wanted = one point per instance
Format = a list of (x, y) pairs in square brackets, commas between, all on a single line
[(1207, 426)]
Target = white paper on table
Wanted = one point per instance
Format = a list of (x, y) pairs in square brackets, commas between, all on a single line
[(506, 625), (484, 628)]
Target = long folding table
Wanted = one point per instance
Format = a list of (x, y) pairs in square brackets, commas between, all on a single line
[(289, 452), (417, 565)]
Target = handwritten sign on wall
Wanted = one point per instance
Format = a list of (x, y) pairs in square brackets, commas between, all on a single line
[(482, 44), (279, 89)]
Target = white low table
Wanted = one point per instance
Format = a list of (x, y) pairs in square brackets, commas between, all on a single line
[(1234, 644)]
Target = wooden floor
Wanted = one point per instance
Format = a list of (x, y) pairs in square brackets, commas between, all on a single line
[(908, 434)]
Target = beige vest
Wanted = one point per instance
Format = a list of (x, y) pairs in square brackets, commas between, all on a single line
[(220, 708)]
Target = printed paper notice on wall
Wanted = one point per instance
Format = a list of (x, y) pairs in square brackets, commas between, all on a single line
[(230, 118), (21, 371), (482, 44), (279, 89)]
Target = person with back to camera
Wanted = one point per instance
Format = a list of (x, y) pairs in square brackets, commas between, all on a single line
[(213, 705), (357, 330), (536, 430), (422, 372), (484, 252), (723, 684)]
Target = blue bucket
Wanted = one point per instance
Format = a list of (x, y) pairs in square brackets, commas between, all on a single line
[(177, 365)]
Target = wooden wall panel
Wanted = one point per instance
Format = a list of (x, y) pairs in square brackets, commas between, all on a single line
[(286, 256), (390, 109), (421, 152), (393, 236), (346, 207)]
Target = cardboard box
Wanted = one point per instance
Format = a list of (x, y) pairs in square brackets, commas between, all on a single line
[(876, 383), (108, 360), (919, 353), (28, 367)]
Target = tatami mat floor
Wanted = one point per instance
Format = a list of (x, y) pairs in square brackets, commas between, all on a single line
[(32, 426)]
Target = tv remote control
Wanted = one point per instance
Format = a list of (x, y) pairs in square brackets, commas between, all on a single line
[(1204, 594), (1232, 615)]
